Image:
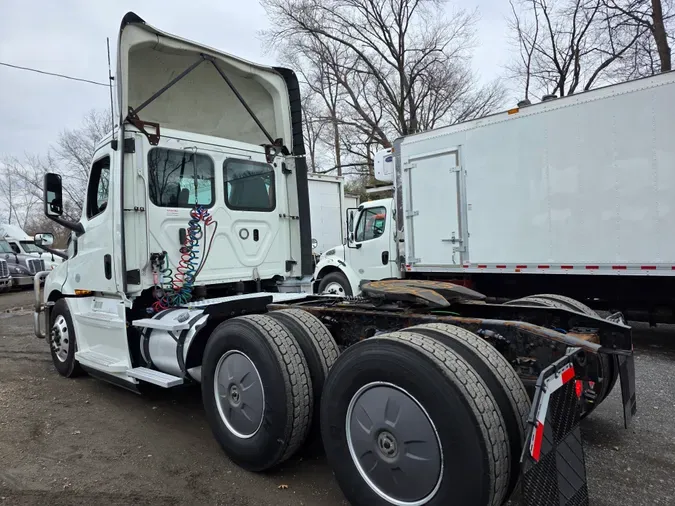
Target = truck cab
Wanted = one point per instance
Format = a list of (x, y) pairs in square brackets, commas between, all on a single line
[(20, 267), (369, 253), (199, 192)]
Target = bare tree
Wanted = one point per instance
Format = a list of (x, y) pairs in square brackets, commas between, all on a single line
[(71, 157), (397, 63), (18, 202), (567, 46), (651, 53)]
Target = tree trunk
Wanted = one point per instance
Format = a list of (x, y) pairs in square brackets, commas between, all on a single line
[(338, 154), (660, 36)]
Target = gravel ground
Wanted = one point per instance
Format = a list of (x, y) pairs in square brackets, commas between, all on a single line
[(76, 442)]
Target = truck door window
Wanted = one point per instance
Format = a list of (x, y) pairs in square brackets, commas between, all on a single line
[(97, 191), (249, 186), (180, 178), (371, 224)]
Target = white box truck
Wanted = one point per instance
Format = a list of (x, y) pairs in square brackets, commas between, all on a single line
[(195, 229), (571, 195), (327, 206)]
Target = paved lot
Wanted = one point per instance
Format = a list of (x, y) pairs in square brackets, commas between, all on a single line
[(82, 441)]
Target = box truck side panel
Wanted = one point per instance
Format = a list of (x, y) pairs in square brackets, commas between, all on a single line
[(586, 181)]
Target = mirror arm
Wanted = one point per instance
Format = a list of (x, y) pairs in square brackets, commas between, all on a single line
[(70, 225), (53, 251)]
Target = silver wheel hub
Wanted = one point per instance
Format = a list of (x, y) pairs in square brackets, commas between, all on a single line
[(334, 288), (59, 338), (387, 445), (239, 394), (394, 444)]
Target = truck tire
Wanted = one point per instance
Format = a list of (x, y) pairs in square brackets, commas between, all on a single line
[(256, 391), (320, 352), (406, 388), (498, 375), (335, 283), (62, 341)]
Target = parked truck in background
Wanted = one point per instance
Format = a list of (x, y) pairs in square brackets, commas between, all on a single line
[(191, 264), (23, 244), (21, 268), (572, 196), (328, 205), (5, 277)]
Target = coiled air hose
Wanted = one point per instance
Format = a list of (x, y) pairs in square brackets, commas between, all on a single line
[(176, 289)]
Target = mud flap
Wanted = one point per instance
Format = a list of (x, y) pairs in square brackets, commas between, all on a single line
[(553, 470), (627, 377)]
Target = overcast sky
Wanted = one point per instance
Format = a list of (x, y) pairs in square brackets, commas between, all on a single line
[(68, 37)]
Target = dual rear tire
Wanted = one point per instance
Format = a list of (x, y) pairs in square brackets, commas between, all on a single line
[(261, 378), (430, 415)]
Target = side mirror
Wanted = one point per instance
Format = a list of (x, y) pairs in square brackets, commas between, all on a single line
[(52, 190), (53, 195), (45, 239)]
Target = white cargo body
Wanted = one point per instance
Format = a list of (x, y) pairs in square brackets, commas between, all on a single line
[(327, 208), (580, 185)]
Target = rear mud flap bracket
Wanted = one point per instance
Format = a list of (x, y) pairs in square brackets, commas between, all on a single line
[(553, 470)]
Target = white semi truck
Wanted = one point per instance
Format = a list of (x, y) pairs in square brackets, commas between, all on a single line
[(23, 244), (572, 196), (188, 266)]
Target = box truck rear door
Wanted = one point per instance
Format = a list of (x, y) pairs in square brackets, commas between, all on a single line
[(435, 210)]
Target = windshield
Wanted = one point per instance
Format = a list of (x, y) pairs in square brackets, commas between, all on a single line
[(5, 248), (30, 247)]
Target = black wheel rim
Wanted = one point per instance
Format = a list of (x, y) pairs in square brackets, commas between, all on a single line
[(394, 444)]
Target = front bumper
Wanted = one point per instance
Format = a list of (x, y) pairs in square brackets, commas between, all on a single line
[(5, 282), (20, 281)]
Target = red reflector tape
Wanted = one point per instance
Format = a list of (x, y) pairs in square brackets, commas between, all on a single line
[(543, 266), (521, 266), (482, 266), (619, 267), (567, 375), (538, 437), (648, 267), (578, 388), (567, 267), (592, 267), (501, 267)]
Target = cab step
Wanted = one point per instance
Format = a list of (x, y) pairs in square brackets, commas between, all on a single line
[(155, 377), (101, 361)]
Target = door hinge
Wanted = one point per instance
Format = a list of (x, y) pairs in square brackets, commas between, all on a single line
[(136, 209), (285, 170), (290, 264), (408, 166), (412, 261), (412, 214)]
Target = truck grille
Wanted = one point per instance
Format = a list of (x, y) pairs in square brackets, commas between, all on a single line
[(4, 270), (36, 265)]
